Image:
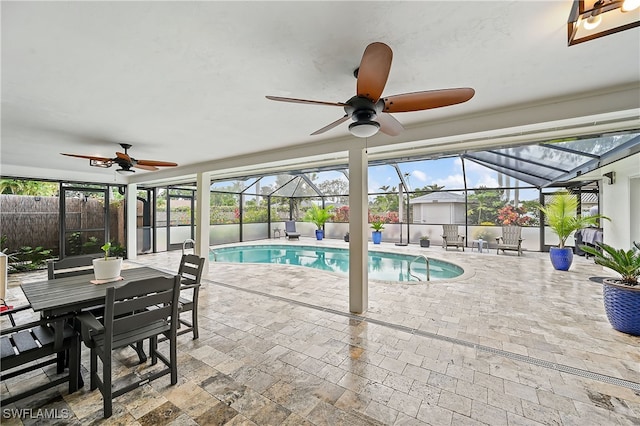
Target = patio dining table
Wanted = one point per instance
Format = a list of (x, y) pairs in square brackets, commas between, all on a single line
[(54, 298)]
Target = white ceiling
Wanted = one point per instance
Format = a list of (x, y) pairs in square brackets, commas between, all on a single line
[(186, 81)]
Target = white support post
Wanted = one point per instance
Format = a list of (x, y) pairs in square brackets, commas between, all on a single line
[(132, 221), (203, 212), (358, 226)]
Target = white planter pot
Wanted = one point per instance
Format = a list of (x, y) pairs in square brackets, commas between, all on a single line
[(107, 269)]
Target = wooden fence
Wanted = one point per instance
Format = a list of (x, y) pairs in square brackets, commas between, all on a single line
[(34, 221)]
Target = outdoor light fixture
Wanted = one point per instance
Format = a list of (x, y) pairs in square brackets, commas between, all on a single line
[(364, 129), (591, 19), (363, 125), (125, 171), (99, 163)]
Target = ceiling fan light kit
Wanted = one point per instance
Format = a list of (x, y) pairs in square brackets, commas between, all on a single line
[(100, 163), (364, 129), (591, 19), (371, 112)]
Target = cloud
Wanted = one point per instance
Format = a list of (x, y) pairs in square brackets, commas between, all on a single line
[(486, 180), (419, 175), (451, 182)]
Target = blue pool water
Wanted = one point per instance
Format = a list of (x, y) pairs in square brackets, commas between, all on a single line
[(382, 266)]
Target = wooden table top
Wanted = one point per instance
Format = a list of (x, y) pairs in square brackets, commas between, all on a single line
[(56, 297)]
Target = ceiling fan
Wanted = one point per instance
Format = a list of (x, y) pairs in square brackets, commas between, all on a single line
[(370, 111), (123, 160)]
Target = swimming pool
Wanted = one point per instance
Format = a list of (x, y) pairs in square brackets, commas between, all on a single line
[(382, 266)]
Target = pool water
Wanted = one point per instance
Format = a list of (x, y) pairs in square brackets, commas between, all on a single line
[(382, 266)]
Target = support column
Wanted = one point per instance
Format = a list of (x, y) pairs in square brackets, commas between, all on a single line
[(358, 226), (203, 212), (132, 221)]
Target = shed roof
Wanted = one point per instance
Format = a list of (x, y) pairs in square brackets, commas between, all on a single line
[(438, 197)]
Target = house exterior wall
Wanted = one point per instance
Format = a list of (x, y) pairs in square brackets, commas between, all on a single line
[(621, 203)]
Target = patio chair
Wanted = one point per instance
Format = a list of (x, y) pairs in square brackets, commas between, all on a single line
[(83, 265), (27, 347), (451, 237), (510, 239), (139, 310), (70, 266), (290, 230), (190, 270)]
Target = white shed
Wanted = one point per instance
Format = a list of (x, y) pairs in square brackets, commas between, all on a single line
[(438, 207)]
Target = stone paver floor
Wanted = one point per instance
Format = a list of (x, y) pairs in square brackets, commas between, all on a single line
[(513, 342)]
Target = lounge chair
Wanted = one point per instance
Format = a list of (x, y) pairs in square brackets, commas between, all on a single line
[(451, 237), (290, 230), (510, 239)]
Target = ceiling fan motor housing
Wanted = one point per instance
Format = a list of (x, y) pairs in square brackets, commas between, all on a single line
[(360, 108)]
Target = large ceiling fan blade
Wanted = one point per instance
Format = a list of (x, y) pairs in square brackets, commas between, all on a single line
[(305, 101), (88, 157), (419, 101), (155, 163), (145, 167), (332, 125), (389, 125), (374, 71)]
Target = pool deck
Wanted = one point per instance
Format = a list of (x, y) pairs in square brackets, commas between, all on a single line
[(512, 342)]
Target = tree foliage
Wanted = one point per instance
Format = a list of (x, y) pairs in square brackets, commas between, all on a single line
[(28, 187)]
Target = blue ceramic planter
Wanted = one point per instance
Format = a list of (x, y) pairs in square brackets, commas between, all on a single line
[(561, 258), (376, 236), (622, 305), (319, 234)]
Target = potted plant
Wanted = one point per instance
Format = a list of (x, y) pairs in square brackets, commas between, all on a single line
[(424, 241), (319, 216), (563, 221), (376, 235), (107, 268), (621, 295)]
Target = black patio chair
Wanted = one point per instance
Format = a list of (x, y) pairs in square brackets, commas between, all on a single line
[(137, 311), (27, 347), (191, 267), (70, 266)]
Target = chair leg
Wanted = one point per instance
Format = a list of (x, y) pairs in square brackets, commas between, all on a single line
[(74, 365), (61, 360), (140, 351), (173, 360), (107, 393), (153, 349), (94, 370), (194, 321)]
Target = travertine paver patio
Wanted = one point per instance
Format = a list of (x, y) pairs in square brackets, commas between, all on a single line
[(513, 342)]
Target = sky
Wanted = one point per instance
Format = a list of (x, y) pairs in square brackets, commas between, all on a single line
[(445, 172)]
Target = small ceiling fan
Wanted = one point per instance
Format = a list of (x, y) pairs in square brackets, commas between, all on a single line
[(369, 111), (123, 160)]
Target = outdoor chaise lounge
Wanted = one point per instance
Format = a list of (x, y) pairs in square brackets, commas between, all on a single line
[(451, 237), (510, 239), (290, 230)]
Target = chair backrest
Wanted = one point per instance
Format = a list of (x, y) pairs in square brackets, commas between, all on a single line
[(290, 226), (450, 232), (511, 234), (70, 266), (150, 304), (191, 267)]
